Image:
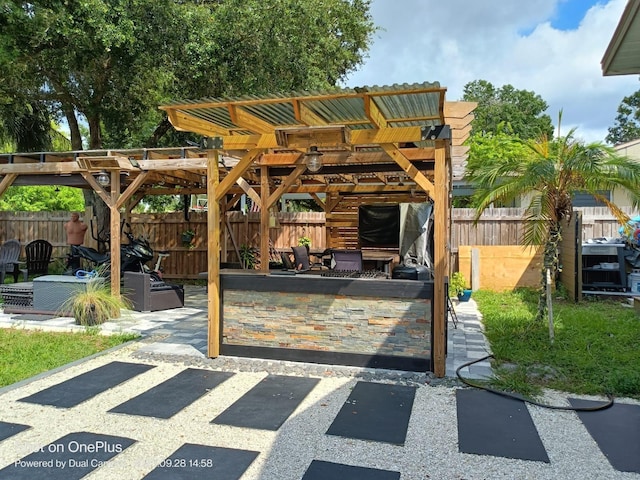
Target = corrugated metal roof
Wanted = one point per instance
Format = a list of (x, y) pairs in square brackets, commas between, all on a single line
[(399, 104)]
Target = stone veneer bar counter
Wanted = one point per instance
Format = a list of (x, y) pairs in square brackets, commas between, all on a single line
[(348, 321)]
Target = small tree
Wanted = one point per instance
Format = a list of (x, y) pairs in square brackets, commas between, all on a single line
[(550, 172)]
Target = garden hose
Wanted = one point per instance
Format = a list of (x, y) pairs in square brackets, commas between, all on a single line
[(517, 396), (85, 274)]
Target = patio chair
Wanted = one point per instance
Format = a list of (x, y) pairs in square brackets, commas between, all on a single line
[(301, 259), (38, 258), (9, 255), (286, 261), (347, 260)]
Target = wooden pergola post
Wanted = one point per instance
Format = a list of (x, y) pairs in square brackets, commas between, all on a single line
[(441, 257), (264, 219), (213, 255)]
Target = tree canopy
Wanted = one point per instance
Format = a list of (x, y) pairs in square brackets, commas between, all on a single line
[(42, 199), (627, 123), (112, 62), (108, 64), (522, 110)]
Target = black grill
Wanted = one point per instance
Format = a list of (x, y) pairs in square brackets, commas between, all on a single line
[(355, 274)]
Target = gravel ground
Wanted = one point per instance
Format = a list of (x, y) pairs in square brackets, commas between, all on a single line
[(430, 451)]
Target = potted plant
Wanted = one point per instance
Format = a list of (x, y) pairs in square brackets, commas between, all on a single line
[(304, 242), (458, 287), (248, 256), (95, 304), (187, 238)]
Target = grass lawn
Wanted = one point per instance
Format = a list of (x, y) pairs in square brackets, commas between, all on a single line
[(24, 353), (596, 348)]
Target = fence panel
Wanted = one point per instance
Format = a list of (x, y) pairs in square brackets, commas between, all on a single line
[(500, 226)]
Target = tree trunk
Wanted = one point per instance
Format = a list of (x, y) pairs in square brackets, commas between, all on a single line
[(76, 137), (101, 213), (95, 136), (551, 262), (162, 128)]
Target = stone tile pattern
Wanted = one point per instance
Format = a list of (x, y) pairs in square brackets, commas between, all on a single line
[(363, 325), (466, 342)]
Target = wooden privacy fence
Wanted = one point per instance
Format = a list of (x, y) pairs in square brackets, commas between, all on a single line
[(497, 227), (504, 226)]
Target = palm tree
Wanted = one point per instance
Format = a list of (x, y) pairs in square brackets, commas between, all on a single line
[(550, 172)]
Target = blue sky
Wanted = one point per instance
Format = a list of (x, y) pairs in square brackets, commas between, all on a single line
[(551, 47), (570, 13)]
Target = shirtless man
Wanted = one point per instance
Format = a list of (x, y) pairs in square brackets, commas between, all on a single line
[(75, 230)]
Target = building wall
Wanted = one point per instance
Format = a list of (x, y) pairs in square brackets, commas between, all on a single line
[(631, 150)]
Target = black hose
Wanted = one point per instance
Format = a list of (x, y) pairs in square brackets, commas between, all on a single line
[(517, 396)]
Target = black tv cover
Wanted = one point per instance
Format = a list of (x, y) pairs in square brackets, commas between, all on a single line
[(379, 225)]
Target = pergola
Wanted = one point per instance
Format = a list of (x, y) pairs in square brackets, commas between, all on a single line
[(378, 141)]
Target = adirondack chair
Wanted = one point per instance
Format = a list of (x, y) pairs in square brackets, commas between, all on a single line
[(38, 258), (9, 255)]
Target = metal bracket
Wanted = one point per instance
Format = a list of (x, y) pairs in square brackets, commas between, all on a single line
[(435, 132), (211, 143)]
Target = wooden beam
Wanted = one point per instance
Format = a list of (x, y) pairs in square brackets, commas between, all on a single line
[(6, 182), (39, 168), (458, 109), (412, 171), (279, 159), (318, 200), (214, 319), (348, 157), (332, 202), (236, 172), (131, 189), (90, 179), (304, 114), (373, 113), (189, 123), (244, 119), (234, 200), (357, 137), (174, 164), (286, 183), (458, 136), (248, 189)]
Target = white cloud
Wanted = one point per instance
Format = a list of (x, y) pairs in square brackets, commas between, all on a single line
[(458, 41)]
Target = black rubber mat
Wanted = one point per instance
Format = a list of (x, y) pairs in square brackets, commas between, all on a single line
[(490, 424), (319, 470), (616, 430), (201, 461), (375, 411), (10, 429), (171, 396), (68, 458), (76, 390), (267, 405)]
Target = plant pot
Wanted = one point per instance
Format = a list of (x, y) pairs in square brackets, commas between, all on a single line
[(465, 295), (187, 238)]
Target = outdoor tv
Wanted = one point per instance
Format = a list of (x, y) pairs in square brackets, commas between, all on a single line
[(379, 225)]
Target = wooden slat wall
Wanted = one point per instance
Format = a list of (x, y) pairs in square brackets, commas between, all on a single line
[(342, 221), (496, 227), (571, 257)]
